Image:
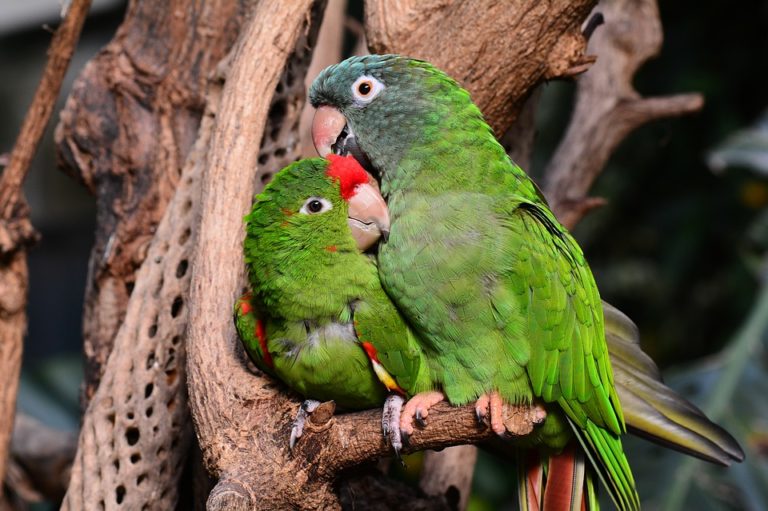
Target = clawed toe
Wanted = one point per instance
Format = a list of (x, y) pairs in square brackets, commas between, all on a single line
[(507, 419), (417, 409), (306, 408)]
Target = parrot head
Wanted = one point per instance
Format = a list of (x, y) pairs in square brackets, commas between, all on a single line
[(315, 204), (376, 108)]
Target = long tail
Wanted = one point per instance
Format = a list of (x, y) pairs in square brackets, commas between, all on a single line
[(562, 482), (606, 455), (653, 410)]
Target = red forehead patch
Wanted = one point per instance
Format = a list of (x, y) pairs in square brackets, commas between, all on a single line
[(348, 172)]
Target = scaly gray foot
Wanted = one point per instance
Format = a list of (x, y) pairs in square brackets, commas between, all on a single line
[(306, 408), (390, 422)]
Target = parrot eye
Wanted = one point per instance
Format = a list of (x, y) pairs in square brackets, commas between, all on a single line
[(365, 89), (315, 205)]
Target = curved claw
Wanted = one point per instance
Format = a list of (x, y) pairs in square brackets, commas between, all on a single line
[(390, 422), (417, 408), (421, 421), (306, 408)]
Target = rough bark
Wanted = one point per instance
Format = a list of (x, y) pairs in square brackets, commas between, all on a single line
[(608, 107), (136, 431), (16, 231), (125, 132), (497, 50)]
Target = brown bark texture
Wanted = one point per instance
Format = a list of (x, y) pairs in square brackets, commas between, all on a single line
[(498, 50), (125, 132), (136, 431), (16, 232)]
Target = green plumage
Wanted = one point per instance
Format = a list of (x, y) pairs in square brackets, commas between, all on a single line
[(318, 298), (498, 291)]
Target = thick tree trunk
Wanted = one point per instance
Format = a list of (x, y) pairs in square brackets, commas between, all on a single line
[(125, 133)]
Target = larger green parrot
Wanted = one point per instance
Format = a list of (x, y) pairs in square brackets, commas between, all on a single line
[(499, 293)]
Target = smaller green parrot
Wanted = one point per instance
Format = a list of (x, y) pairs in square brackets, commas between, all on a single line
[(318, 318)]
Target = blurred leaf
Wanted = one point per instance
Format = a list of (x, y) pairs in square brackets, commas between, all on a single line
[(745, 148), (732, 390)]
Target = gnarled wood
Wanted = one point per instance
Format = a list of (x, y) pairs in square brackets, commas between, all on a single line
[(499, 51), (125, 132), (608, 107)]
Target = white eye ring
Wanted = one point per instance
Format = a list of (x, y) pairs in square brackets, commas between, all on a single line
[(315, 206), (365, 89)]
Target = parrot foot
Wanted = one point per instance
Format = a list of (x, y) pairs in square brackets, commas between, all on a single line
[(417, 409), (517, 420), (390, 422), (306, 408)]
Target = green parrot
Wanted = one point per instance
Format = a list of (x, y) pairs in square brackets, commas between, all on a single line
[(318, 318), (503, 303)]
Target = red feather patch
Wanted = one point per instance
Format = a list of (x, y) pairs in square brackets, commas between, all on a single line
[(348, 172), (261, 335)]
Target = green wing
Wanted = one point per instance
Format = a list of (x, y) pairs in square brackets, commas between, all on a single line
[(569, 361), (379, 324)]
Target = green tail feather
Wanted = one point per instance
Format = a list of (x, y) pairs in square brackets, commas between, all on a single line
[(653, 410), (591, 491), (606, 456)]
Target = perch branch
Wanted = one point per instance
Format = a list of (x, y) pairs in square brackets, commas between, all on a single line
[(607, 106), (15, 228)]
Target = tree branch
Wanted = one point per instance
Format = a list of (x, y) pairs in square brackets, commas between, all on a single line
[(537, 41), (607, 106), (16, 231)]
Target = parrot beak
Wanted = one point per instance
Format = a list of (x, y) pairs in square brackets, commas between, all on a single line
[(327, 127), (331, 134), (368, 216)]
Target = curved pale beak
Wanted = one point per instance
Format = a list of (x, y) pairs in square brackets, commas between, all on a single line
[(368, 216), (327, 125)]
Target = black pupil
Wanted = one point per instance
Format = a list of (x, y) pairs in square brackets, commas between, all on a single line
[(364, 88), (315, 205)]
